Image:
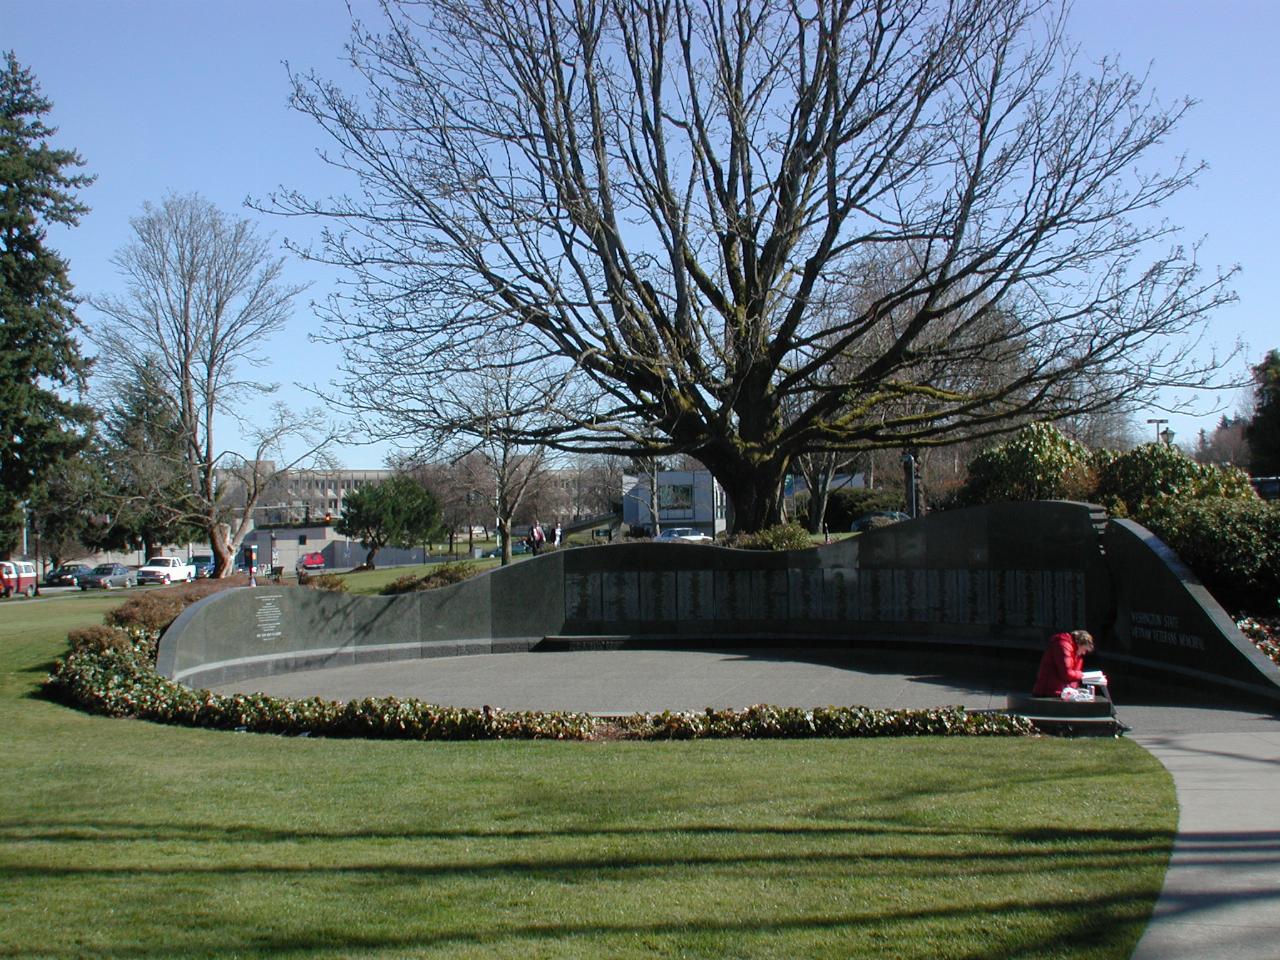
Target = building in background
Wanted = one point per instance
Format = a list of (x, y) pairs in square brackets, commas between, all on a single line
[(686, 498)]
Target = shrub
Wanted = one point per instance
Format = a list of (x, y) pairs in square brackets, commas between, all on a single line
[(1133, 483), (1232, 545), (148, 611), (1037, 463), (327, 581), (783, 536), (763, 721), (440, 576), (1265, 634), (846, 505), (120, 683), (98, 639), (407, 584)]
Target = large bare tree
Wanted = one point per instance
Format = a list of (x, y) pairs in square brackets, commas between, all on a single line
[(202, 292), (657, 192)]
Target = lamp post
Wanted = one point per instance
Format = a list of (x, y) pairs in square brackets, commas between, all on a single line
[(1158, 424), (1167, 436), (909, 480)]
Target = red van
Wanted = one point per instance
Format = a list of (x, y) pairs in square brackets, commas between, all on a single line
[(17, 576)]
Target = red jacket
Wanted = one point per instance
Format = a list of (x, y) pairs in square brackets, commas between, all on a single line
[(1061, 666)]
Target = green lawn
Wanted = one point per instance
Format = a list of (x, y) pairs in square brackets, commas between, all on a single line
[(126, 839)]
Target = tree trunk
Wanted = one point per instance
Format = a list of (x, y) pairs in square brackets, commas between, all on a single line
[(504, 539), (223, 557), (368, 558), (753, 489)]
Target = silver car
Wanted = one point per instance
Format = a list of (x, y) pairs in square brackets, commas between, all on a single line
[(107, 575), (681, 535)]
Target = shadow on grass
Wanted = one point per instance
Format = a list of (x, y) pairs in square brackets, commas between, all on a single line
[(112, 831), (1089, 921)]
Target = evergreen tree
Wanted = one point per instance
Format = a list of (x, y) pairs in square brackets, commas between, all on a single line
[(148, 492), (398, 512), (39, 355), (1263, 431)]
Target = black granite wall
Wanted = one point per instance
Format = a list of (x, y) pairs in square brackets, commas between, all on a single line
[(1002, 575)]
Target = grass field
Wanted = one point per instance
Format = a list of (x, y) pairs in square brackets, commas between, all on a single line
[(126, 839)]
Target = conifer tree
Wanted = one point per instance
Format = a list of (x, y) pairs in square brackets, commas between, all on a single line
[(40, 360), (1263, 431)]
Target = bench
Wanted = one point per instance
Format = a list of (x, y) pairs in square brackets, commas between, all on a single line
[(1053, 715)]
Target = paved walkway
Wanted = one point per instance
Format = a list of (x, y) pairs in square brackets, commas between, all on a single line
[(1221, 897)]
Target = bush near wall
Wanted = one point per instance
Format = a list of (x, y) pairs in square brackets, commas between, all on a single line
[(782, 536), (110, 670), (846, 505), (1135, 483), (1232, 545), (441, 576), (1210, 515)]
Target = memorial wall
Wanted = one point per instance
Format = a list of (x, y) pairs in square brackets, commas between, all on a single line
[(999, 576)]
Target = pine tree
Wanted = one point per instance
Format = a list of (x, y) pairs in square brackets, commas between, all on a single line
[(39, 356), (140, 454), (1263, 431)]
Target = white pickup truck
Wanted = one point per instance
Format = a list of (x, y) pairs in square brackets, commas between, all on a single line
[(166, 570)]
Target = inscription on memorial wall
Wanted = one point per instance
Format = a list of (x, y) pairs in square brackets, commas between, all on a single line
[(805, 588), (658, 595), (582, 596), (770, 594), (733, 594), (620, 595), (268, 618), (840, 589), (695, 595), (1162, 628)]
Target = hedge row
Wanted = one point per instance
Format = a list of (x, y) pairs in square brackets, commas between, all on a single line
[(765, 722), (1265, 634), (120, 683), (116, 680)]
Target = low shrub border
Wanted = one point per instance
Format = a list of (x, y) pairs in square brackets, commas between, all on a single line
[(1265, 634), (114, 676)]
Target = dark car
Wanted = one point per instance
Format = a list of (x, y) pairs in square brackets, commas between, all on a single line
[(203, 562), (877, 518), (67, 575), (517, 547), (107, 575)]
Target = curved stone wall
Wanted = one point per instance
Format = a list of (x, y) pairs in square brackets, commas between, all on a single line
[(1001, 575)]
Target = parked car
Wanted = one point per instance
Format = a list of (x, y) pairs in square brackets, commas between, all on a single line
[(517, 547), (203, 562), (877, 518), (17, 576), (310, 562), (107, 575), (165, 570), (682, 535), (67, 575)]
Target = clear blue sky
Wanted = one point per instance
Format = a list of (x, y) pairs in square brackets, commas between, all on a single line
[(178, 95)]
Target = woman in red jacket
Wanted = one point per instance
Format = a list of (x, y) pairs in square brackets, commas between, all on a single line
[(1063, 663)]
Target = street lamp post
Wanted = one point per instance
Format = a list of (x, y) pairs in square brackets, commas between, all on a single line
[(1158, 422)]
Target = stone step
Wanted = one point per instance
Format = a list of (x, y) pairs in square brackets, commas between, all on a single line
[(562, 644)]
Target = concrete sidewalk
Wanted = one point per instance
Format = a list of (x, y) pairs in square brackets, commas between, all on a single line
[(1221, 895)]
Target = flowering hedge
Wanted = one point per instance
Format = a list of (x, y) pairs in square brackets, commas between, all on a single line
[(1265, 634), (763, 722), (120, 682), (110, 670)]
